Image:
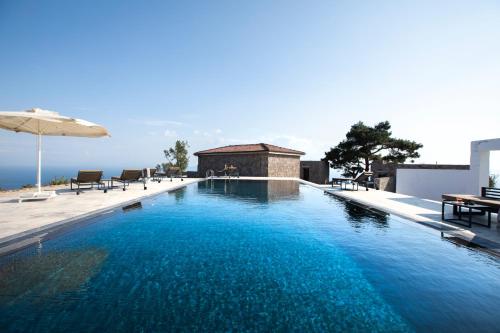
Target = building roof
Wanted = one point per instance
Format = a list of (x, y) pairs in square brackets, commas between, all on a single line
[(250, 148)]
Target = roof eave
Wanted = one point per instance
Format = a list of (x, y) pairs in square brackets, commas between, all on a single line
[(249, 152)]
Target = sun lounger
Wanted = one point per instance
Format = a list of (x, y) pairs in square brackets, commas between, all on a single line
[(364, 179), (88, 177), (174, 172), (129, 176), (153, 174)]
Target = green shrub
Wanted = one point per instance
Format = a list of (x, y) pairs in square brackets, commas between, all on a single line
[(59, 181), (28, 186), (493, 180)]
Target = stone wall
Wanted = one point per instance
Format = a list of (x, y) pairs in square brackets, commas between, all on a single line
[(192, 174), (319, 171), (252, 165), (283, 166), (385, 184)]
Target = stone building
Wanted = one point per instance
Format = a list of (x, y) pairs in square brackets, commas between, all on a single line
[(255, 160), (315, 171)]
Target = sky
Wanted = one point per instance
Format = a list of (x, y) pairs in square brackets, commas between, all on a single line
[(292, 73)]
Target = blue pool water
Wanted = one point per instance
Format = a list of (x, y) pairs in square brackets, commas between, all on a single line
[(249, 256)]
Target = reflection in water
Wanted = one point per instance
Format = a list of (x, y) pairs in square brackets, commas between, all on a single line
[(259, 190), (179, 194), (358, 216), (49, 274), (135, 205)]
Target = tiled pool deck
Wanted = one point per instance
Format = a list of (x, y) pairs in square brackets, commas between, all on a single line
[(25, 223)]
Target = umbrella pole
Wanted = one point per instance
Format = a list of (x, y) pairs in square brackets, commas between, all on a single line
[(39, 164)]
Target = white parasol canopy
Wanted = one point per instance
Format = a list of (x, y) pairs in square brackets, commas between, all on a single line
[(43, 122)]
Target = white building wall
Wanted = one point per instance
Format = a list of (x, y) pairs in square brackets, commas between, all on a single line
[(480, 162), (432, 183)]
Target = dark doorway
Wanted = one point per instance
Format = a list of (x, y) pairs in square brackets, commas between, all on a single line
[(305, 174)]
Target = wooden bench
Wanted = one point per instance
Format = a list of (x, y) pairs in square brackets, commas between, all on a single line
[(490, 193)]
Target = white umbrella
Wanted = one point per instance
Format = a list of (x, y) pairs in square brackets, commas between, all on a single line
[(43, 122)]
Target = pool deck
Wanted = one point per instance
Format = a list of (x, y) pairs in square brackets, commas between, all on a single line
[(426, 212), (22, 224)]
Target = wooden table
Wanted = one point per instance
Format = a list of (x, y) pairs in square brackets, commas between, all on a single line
[(457, 209)]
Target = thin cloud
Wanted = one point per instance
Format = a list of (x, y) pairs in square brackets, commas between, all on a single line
[(169, 133), (212, 133), (157, 122)]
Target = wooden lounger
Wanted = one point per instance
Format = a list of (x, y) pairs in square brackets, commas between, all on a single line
[(363, 179), (129, 176), (174, 172), (87, 177), (153, 174)]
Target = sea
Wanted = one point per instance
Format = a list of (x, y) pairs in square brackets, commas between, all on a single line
[(12, 177)]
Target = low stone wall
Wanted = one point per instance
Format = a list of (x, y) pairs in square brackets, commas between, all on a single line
[(192, 174), (385, 184)]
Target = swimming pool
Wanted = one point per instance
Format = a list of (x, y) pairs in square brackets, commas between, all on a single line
[(249, 256)]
